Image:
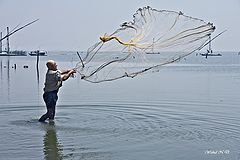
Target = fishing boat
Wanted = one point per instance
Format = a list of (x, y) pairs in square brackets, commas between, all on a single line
[(210, 51), (6, 51), (3, 53), (38, 53), (152, 50), (13, 53)]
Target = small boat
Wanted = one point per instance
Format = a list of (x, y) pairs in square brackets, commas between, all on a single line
[(209, 50), (153, 53), (18, 53), (210, 53), (13, 53), (38, 53), (3, 53), (152, 50), (7, 51)]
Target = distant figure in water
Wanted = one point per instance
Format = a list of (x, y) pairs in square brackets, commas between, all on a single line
[(53, 82)]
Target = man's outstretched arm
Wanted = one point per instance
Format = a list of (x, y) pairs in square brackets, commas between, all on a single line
[(65, 71), (67, 74)]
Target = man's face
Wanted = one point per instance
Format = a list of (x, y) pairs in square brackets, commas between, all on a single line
[(54, 66)]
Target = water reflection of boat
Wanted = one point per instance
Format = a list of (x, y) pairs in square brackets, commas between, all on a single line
[(209, 50), (38, 52)]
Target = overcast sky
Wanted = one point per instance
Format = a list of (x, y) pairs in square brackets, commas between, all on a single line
[(77, 24)]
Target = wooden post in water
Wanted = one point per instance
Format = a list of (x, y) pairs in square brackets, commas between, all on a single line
[(8, 48), (37, 66), (1, 43)]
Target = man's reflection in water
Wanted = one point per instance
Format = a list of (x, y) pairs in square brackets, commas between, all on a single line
[(52, 149)]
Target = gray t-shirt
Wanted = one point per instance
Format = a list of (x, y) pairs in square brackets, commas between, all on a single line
[(53, 80)]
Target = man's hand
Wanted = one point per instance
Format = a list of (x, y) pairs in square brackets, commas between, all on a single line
[(72, 71), (69, 73)]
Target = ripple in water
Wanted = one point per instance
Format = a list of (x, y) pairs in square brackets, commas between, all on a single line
[(121, 130)]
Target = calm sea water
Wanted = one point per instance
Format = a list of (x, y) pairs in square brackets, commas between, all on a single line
[(189, 110)]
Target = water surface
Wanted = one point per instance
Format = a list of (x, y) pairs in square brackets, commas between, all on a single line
[(189, 110)]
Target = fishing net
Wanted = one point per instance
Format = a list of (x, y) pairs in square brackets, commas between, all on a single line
[(154, 38)]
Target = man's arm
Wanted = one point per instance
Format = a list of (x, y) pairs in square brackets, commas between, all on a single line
[(68, 74), (65, 71)]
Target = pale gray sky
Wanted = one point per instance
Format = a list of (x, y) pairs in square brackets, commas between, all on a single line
[(77, 24)]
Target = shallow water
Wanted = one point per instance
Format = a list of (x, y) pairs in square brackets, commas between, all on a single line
[(189, 110)]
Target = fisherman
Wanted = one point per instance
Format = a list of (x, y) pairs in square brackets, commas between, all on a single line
[(53, 82)]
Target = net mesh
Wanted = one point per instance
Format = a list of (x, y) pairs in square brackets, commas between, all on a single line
[(154, 38)]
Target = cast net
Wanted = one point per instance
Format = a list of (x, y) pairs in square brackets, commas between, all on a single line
[(154, 38)]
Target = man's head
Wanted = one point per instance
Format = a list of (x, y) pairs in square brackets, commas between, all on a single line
[(52, 65)]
